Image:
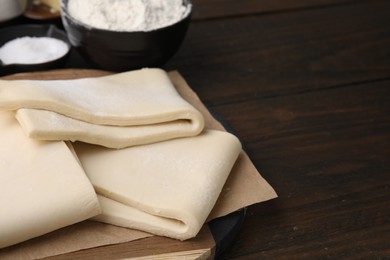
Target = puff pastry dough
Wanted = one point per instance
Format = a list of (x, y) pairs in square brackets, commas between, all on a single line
[(47, 125), (166, 188), (43, 187), (143, 105)]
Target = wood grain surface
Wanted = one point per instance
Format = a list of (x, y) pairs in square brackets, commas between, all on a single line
[(209, 9), (306, 87)]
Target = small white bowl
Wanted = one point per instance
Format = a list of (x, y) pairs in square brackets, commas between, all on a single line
[(33, 30)]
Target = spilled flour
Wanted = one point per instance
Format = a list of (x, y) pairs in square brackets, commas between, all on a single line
[(128, 15)]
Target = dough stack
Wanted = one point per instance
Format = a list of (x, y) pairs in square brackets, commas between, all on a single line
[(144, 149), (117, 111), (166, 188)]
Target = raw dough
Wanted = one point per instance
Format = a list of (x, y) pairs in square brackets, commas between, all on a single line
[(43, 188), (139, 97), (47, 125), (176, 182)]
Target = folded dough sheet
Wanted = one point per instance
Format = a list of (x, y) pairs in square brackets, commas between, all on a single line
[(167, 188), (43, 187), (116, 111)]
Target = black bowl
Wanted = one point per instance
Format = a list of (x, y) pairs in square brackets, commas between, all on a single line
[(32, 30), (122, 51)]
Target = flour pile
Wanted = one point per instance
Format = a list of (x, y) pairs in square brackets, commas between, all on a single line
[(125, 15), (32, 50)]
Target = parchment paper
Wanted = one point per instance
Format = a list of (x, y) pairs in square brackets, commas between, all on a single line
[(245, 186)]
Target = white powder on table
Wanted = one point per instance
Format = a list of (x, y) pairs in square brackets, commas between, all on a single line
[(128, 15), (32, 50)]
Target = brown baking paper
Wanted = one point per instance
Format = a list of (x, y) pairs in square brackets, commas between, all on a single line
[(244, 187)]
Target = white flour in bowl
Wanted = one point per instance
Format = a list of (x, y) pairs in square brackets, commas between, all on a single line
[(32, 50), (128, 15)]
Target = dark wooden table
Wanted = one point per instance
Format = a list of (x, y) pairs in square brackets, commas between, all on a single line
[(306, 87)]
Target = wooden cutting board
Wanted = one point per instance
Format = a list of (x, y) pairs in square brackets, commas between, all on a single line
[(201, 247)]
